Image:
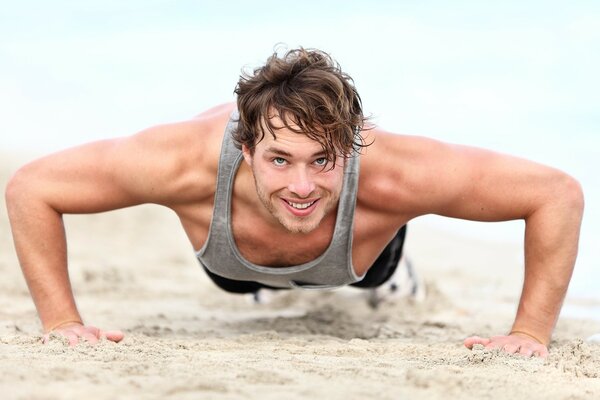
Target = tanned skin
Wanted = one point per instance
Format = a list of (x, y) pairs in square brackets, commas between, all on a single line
[(401, 177)]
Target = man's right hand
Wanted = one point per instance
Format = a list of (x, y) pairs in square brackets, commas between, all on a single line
[(75, 333)]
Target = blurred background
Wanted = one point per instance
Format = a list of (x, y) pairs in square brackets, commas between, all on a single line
[(519, 77)]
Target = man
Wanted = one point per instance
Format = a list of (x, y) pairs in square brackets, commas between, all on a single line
[(291, 188)]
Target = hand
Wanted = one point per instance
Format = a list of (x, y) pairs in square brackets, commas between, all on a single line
[(76, 332), (511, 344)]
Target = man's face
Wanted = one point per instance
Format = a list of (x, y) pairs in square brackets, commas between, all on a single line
[(294, 181)]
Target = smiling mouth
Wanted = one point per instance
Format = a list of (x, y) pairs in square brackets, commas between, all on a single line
[(300, 206)]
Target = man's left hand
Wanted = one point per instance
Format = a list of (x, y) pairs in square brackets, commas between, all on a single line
[(511, 344)]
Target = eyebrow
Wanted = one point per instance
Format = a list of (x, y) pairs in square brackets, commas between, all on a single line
[(287, 154)]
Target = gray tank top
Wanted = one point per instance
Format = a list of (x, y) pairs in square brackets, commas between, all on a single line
[(221, 256)]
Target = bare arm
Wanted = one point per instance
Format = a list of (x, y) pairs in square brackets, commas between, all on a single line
[(475, 184), (96, 177)]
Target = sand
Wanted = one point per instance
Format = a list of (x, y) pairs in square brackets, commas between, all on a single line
[(185, 339)]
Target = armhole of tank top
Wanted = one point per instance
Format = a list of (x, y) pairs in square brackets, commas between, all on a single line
[(350, 265), (199, 253)]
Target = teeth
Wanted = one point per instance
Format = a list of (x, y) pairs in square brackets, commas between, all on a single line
[(300, 206)]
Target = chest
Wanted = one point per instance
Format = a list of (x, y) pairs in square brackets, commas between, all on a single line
[(264, 245)]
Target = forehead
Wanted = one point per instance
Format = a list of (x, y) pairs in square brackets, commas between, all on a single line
[(288, 139)]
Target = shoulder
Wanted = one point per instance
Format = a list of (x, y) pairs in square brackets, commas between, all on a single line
[(396, 170), (199, 135), (172, 164), (182, 157)]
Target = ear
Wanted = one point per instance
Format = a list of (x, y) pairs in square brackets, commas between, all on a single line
[(247, 154)]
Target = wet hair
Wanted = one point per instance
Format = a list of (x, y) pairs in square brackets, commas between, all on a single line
[(310, 94)]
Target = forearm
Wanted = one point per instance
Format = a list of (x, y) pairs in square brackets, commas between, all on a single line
[(551, 241), (39, 237)]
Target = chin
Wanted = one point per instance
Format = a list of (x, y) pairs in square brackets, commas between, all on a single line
[(301, 229), (295, 226)]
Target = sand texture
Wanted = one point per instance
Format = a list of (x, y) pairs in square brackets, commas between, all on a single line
[(185, 339)]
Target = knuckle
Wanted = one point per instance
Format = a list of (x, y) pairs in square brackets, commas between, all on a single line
[(526, 352)]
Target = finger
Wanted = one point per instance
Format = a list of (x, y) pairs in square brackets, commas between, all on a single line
[(541, 351), (526, 351), (79, 330), (113, 336), (89, 337), (473, 340), (93, 331), (511, 348), (71, 337), (495, 345)]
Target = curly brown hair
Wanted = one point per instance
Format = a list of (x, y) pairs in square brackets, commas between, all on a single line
[(311, 95)]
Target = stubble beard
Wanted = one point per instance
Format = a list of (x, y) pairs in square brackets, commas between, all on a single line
[(292, 223)]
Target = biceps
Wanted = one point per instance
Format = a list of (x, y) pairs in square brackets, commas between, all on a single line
[(78, 180), (486, 186)]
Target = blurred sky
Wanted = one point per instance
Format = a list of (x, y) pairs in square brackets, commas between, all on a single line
[(516, 76)]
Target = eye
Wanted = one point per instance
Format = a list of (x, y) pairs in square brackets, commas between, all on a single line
[(279, 161), (321, 161)]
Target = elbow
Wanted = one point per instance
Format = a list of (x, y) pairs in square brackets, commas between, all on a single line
[(13, 190), (17, 191), (570, 194)]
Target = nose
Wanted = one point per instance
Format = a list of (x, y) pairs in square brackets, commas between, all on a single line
[(301, 183)]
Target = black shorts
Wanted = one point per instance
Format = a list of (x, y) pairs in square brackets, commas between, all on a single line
[(381, 270)]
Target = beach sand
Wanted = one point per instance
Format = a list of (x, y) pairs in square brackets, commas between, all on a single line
[(185, 339)]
